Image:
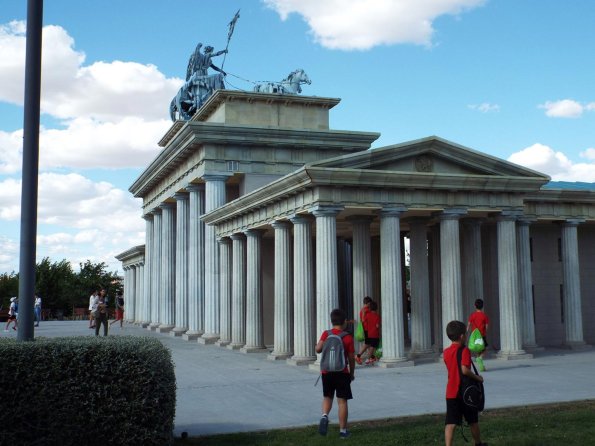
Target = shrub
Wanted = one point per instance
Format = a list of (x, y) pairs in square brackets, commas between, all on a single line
[(86, 391)]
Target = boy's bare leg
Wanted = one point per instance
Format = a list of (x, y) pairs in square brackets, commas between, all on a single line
[(449, 430), (475, 432), (343, 413), (327, 405)]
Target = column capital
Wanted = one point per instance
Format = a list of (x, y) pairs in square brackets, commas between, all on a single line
[(195, 187), (451, 214), (215, 177), (572, 222), (224, 240), (325, 210), (392, 211), (509, 214), (354, 219), (301, 219), (525, 220), (254, 232), (155, 211), (237, 236), (281, 224), (181, 196), (166, 205), (148, 216)]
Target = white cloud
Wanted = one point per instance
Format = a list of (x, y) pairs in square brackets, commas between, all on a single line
[(485, 107), (96, 221), (363, 24), (8, 255), (566, 108), (589, 154), (544, 159)]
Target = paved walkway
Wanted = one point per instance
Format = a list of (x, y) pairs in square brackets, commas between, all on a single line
[(226, 391)]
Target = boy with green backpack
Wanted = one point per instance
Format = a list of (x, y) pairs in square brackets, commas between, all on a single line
[(478, 321)]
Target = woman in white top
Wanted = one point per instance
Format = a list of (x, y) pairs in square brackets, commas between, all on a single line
[(12, 314), (93, 300), (37, 310)]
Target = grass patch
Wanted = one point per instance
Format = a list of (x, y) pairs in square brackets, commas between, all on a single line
[(553, 424)]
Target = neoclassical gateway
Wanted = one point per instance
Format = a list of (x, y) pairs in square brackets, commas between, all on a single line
[(260, 219)]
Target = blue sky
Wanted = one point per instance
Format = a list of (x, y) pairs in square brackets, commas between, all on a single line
[(510, 78)]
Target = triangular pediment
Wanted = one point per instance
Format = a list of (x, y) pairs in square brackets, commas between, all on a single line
[(430, 155)]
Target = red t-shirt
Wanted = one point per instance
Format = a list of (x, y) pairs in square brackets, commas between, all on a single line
[(373, 322), (347, 345), (450, 359), (479, 320), (363, 314)]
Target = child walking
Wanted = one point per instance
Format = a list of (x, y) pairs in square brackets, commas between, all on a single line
[(479, 320), (337, 382), (373, 337), (363, 317), (455, 407)]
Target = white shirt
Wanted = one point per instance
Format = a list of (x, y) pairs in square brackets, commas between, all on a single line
[(93, 302), (38, 301)]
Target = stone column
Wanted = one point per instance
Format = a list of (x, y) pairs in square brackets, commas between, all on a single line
[(145, 316), (327, 284), (238, 292), (472, 265), (181, 294), (391, 289), (362, 260), (225, 270), (132, 289), (525, 284), (196, 264), (138, 307), (137, 294), (156, 270), (254, 321), (450, 267), (436, 288), (283, 328), (511, 344), (215, 197), (304, 338), (168, 268), (127, 294), (573, 315), (421, 330)]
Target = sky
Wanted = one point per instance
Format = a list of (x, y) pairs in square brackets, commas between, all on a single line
[(510, 78)]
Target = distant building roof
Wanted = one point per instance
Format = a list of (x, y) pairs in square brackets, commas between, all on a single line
[(570, 185)]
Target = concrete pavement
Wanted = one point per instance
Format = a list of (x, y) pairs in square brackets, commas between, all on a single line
[(221, 391)]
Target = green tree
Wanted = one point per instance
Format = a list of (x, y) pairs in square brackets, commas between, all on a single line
[(53, 282), (93, 276), (9, 286)]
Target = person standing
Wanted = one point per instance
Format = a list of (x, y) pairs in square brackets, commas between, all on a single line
[(37, 310), (119, 310), (101, 314), (92, 307)]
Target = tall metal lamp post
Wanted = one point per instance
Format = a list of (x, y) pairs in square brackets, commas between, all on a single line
[(30, 170)]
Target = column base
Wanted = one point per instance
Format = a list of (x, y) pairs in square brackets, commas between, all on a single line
[(254, 350), (191, 335), (144, 324), (165, 328), (233, 346), (222, 343), (278, 356), (153, 326), (508, 356), (301, 360), (208, 339), (577, 346), (392, 363), (178, 331)]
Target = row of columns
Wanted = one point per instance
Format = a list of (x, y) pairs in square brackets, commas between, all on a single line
[(200, 287)]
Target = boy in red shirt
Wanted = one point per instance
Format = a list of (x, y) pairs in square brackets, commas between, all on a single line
[(337, 382), (479, 320), (363, 316), (455, 407), (373, 332)]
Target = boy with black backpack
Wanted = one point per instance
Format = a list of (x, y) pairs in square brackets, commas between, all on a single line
[(337, 367), (457, 358)]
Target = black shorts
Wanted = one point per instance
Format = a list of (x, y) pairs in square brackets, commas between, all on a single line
[(338, 382), (456, 410), (373, 342)]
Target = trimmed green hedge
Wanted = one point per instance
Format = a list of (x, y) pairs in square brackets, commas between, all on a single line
[(118, 390)]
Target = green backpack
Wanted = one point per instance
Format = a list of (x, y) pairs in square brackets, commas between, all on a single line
[(476, 344)]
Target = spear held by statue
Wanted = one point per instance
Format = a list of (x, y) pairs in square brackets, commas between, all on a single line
[(232, 26)]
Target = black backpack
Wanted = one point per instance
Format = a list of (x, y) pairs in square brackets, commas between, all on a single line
[(470, 391)]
